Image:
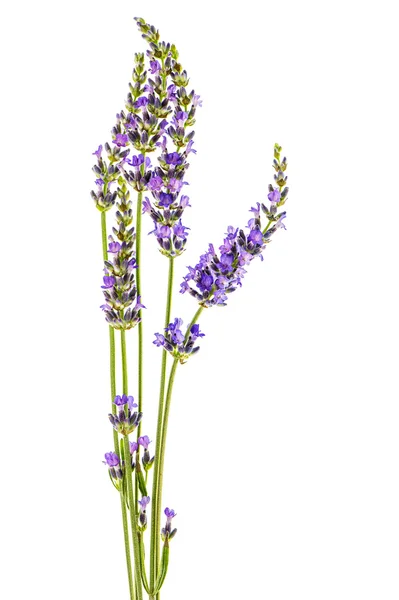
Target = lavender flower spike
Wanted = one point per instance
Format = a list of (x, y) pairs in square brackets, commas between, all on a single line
[(217, 274)]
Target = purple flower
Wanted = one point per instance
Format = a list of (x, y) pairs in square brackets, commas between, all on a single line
[(175, 185), (184, 201), (180, 230), (159, 339), (99, 182), (136, 161), (142, 101), (172, 92), (113, 247), (146, 205), (111, 459), (144, 502), (170, 514), (133, 447), (109, 282), (166, 532), (274, 196), (155, 184), (155, 67), (177, 336), (162, 126), (189, 147), (165, 199), (280, 221), (162, 231), (182, 116), (205, 282), (197, 100), (195, 331), (122, 400), (173, 158), (98, 152), (256, 236), (121, 139), (144, 441)]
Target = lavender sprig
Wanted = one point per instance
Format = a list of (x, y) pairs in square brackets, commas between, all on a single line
[(119, 285), (217, 274)]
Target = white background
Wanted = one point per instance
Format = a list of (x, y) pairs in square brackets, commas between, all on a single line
[(282, 460)]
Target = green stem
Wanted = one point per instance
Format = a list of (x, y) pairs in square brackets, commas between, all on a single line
[(127, 548), (112, 368), (155, 521), (161, 460), (124, 362), (133, 519)]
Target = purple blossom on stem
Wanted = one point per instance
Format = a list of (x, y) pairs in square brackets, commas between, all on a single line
[(178, 344), (144, 502), (170, 513), (98, 151), (274, 196), (109, 282), (113, 462), (133, 447), (142, 101), (218, 274), (173, 158), (167, 533), (121, 139), (144, 441), (111, 459), (155, 184), (155, 66), (113, 247), (124, 399)]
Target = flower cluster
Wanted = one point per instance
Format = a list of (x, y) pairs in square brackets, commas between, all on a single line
[(179, 345), (218, 274), (119, 285), (169, 100), (125, 420), (107, 172), (167, 533)]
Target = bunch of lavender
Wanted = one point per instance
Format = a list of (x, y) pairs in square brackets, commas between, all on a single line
[(157, 120)]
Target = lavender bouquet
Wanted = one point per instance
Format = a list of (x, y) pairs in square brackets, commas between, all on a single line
[(149, 152)]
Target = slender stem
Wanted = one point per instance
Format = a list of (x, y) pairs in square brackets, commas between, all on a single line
[(124, 362), (155, 510), (161, 460), (127, 548), (133, 519), (112, 369)]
